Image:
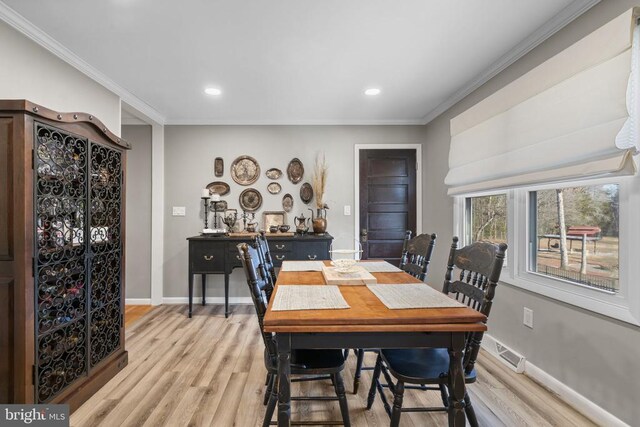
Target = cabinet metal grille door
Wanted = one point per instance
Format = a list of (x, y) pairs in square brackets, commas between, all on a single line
[(105, 251), (60, 267)]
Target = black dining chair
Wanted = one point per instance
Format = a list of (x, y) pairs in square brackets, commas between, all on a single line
[(480, 266), (310, 364), (415, 259), (416, 254), (265, 257)]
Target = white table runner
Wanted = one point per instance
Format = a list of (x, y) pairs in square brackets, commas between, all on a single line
[(302, 266), (308, 297), (412, 295), (379, 267)]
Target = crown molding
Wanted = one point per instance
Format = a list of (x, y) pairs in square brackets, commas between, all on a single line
[(34, 33), (235, 122), (559, 21)]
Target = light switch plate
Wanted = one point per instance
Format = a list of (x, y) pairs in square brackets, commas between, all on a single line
[(179, 211), (347, 210)]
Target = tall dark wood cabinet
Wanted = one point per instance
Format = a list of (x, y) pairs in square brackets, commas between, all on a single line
[(61, 254)]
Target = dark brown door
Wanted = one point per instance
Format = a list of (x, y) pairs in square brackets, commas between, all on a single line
[(387, 201)]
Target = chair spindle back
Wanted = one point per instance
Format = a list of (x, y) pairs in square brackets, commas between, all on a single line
[(480, 266), (257, 286), (416, 254)]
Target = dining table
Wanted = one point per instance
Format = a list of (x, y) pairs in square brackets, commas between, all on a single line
[(368, 323)]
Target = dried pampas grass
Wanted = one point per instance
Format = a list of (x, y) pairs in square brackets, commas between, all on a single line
[(320, 179)]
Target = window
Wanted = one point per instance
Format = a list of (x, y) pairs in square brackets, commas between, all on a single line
[(575, 233), (486, 218), (575, 242)]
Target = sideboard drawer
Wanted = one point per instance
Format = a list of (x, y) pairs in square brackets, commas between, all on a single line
[(205, 257), (312, 251), (278, 257), (280, 246)]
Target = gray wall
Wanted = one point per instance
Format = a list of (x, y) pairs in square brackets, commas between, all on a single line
[(189, 155), (594, 355), (31, 72), (138, 238)]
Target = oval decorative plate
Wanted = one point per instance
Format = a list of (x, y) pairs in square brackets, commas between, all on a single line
[(219, 187), (250, 200), (245, 170), (274, 188), (295, 170), (287, 202), (306, 193), (274, 173)]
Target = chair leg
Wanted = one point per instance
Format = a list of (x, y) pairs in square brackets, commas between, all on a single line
[(273, 400), (398, 395), (342, 398), (267, 392), (374, 382), (468, 410), (444, 394), (356, 377), (268, 379)]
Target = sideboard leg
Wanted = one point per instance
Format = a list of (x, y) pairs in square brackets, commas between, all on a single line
[(226, 295), (190, 294), (204, 288)]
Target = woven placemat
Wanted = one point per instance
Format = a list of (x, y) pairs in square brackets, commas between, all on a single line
[(412, 295), (379, 267), (308, 297), (302, 266)]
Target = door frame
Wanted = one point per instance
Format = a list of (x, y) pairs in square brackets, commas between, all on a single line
[(356, 168)]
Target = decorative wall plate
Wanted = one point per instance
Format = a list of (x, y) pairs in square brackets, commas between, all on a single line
[(218, 167), (274, 173), (287, 202), (219, 187), (250, 200), (274, 188), (306, 193), (221, 206), (295, 170), (245, 170), (273, 218)]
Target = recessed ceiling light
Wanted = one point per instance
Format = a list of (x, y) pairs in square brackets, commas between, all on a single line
[(213, 91), (373, 91)]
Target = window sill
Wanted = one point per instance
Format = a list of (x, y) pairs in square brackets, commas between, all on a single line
[(601, 302)]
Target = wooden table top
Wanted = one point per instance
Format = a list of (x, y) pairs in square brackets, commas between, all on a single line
[(367, 312)]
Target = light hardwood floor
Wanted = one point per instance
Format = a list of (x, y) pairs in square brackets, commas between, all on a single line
[(209, 371)]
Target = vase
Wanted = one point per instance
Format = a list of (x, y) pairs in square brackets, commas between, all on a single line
[(319, 223)]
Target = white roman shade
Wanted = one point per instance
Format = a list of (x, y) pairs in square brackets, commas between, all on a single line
[(572, 117)]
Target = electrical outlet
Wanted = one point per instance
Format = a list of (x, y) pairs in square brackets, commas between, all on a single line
[(528, 317), (347, 210), (179, 211)]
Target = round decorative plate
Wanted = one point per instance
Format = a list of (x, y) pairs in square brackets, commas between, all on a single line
[(295, 170), (250, 200), (245, 170), (221, 206), (218, 187), (287, 202), (274, 188), (273, 173), (306, 193)]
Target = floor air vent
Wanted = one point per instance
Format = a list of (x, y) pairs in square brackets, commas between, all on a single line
[(509, 357)]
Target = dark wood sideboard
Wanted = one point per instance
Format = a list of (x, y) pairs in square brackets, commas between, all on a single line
[(219, 255)]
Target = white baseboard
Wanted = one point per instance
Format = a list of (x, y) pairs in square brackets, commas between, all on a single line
[(580, 403), (210, 300), (137, 301)]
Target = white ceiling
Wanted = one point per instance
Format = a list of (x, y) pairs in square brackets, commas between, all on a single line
[(297, 61)]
